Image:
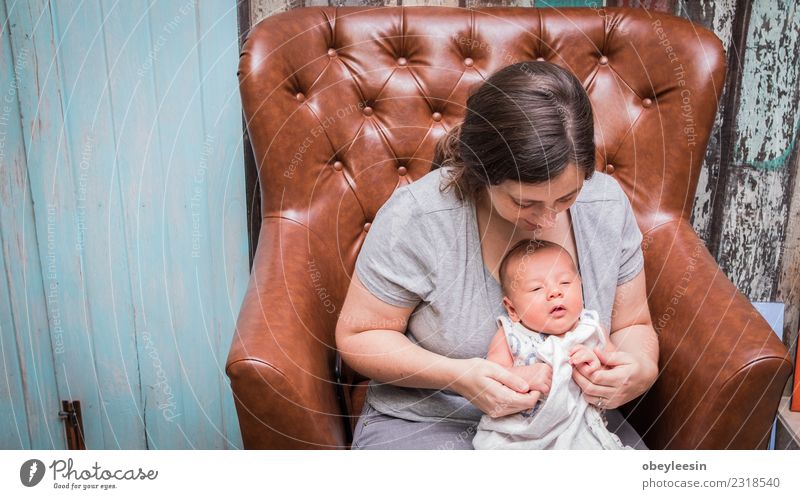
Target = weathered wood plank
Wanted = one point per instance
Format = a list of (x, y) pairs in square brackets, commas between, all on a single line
[(90, 147), (28, 398), (788, 290), (756, 213), (54, 201), (134, 107), (183, 156), (717, 16), (225, 208), (659, 5)]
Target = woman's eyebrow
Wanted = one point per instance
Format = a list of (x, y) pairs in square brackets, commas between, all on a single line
[(537, 201)]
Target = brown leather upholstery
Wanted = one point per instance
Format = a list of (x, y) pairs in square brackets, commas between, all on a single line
[(345, 104)]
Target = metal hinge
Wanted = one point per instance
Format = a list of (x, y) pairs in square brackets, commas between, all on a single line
[(73, 424)]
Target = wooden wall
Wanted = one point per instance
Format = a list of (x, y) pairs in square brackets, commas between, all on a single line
[(748, 202), (122, 224)]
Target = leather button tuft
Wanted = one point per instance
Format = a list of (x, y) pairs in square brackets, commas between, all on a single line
[(402, 61), (647, 102), (540, 58), (437, 116), (603, 60), (338, 165), (332, 52), (468, 62), (367, 111), (610, 169), (402, 171), (300, 96), (367, 226)]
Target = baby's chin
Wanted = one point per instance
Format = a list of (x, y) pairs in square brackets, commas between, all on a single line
[(557, 327)]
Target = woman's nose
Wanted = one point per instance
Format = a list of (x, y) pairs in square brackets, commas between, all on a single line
[(548, 218)]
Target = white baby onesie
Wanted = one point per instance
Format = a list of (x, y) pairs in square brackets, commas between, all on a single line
[(562, 420)]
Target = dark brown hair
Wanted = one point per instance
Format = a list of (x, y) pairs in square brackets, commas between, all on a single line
[(526, 123), (525, 247)]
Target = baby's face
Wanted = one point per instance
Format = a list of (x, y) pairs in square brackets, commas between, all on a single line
[(544, 292)]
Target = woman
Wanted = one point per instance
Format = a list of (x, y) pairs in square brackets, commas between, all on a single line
[(420, 310)]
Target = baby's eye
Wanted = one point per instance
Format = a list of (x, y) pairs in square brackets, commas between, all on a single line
[(566, 282), (537, 288)]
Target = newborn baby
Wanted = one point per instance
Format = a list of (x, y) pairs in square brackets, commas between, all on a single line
[(546, 322)]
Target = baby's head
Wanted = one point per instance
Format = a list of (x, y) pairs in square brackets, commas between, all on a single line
[(542, 287)]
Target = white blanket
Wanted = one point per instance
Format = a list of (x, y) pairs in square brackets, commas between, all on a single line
[(563, 419)]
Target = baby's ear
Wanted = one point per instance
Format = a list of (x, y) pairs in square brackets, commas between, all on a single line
[(510, 310)]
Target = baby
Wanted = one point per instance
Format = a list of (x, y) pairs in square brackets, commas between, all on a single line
[(546, 322)]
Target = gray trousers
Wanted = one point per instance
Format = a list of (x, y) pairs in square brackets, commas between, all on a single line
[(376, 430)]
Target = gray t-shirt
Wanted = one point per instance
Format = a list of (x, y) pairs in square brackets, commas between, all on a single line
[(423, 249)]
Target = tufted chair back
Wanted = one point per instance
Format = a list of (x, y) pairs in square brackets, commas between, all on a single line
[(343, 105)]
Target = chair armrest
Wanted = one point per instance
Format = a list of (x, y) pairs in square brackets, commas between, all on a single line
[(722, 369), (282, 355)]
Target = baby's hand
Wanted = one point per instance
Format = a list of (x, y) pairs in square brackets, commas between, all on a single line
[(581, 354), (539, 376)]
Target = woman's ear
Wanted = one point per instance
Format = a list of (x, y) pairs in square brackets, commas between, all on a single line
[(510, 310)]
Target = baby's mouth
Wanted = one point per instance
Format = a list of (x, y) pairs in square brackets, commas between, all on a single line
[(558, 308)]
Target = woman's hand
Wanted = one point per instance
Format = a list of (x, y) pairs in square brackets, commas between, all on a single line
[(621, 378), (538, 375), (492, 388)]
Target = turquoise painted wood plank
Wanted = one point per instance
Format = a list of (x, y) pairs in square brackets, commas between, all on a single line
[(133, 47), (28, 398), (89, 134), (755, 217), (13, 189), (25, 331), (768, 119), (180, 126), (226, 206), (50, 175), (131, 52), (14, 432)]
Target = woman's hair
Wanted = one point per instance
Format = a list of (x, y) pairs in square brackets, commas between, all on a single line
[(526, 123)]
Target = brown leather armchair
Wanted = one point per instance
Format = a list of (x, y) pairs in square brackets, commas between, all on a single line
[(345, 104)]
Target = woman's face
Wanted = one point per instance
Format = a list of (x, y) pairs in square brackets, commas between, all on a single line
[(535, 206)]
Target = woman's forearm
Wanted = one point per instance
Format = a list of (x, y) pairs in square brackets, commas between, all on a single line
[(640, 341), (388, 356)]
